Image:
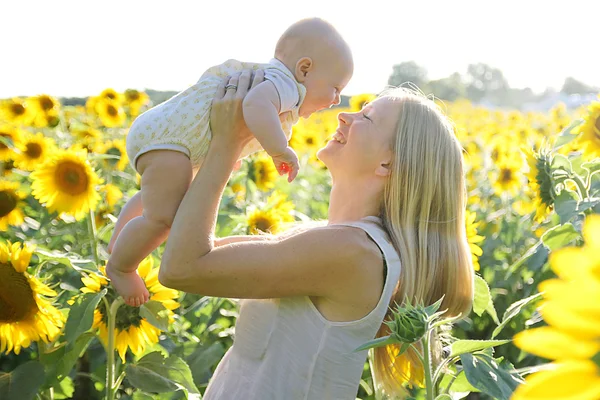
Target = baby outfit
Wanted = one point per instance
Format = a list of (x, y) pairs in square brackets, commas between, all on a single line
[(285, 349), (182, 123)]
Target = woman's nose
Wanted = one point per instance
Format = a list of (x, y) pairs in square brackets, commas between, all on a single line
[(344, 118)]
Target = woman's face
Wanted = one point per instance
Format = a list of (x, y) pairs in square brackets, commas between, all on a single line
[(363, 141)]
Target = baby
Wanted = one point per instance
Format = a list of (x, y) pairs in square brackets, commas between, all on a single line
[(166, 144)]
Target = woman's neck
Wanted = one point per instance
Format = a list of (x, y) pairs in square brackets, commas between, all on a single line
[(353, 201)]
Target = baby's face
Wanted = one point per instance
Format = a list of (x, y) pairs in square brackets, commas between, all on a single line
[(324, 85)]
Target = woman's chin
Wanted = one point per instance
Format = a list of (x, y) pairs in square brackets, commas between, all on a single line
[(326, 153)]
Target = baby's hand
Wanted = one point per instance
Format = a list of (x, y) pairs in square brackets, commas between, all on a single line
[(287, 163)]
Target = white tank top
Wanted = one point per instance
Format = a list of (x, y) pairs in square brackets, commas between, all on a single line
[(285, 349)]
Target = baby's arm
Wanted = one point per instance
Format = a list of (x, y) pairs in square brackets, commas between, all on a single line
[(261, 113)]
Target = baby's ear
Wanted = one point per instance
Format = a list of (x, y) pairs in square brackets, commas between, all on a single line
[(303, 67)]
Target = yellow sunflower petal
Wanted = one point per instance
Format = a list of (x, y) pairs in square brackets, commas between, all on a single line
[(577, 380), (569, 263), (553, 344)]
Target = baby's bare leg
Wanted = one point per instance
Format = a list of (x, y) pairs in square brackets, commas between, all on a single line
[(166, 176), (133, 208)]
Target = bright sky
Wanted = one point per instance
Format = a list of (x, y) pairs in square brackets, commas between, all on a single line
[(79, 47)]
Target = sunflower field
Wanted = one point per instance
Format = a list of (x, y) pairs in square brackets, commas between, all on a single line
[(533, 224)]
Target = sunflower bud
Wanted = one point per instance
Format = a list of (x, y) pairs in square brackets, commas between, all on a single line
[(409, 324)]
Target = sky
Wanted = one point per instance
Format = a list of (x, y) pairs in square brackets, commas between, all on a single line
[(78, 48)]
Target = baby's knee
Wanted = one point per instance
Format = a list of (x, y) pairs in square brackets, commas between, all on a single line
[(162, 220)]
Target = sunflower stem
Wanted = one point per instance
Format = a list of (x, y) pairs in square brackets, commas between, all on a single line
[(92, 233), (427, 364), (111, 388)]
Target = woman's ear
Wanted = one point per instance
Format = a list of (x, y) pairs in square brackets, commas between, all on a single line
[(384, 169), (303, 67)]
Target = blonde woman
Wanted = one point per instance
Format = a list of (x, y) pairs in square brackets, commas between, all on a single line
[(395, 229)]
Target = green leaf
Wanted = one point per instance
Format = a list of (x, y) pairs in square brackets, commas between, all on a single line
[(469, 346), (565, 136), (460, 384), (565, 205), (444, 397), (491, 310), (203, 359), (379, 342), (592, 166), (485, 374), (155, 374), (482, 296), (23, 382), (155, 313), (513, 310), (60, 361), (77, 264), (536, 256), (64, 389), (560, 236), (432, 309), (561, 162), (81, 316)]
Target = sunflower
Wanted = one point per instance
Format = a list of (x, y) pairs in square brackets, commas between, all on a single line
[(111, 114), (572, 338), (11, 205), (507, 176), (590, 130), (111, 95), (45, 108), (14, 137), (473, 238), (540, 182), (263, 172), (135, 99), (263, 221), (279, 203), (131, 330), (116, 148), (66, 183), (111, 193), (359, 101), (6, 167), (26, 313), (306, 140), (35, 150), (16, 111)]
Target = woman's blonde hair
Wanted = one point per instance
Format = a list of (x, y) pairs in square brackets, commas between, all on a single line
[(423, 212)]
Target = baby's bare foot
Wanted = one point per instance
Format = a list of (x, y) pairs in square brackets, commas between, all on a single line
[(129, 285)]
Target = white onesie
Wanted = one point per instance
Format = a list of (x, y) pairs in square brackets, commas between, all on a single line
[(182, 123)]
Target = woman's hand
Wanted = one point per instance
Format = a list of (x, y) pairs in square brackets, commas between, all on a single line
[(226, 116)]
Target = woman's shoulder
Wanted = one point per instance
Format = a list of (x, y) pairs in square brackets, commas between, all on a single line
[(349, 245)]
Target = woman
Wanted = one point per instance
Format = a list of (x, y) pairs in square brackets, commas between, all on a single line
[(395, 230)]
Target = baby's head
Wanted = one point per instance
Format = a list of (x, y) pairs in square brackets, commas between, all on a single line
[(319, 58)]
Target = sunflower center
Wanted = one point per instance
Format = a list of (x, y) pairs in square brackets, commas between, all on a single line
[(16, 297), (71, 178), (263, 224), (505, 175), (126, 316), (46, 103), (34, 150), (310, 141), (132, 95), (8, 202), (112, 110), (597, 126), (113, 151), (17, 109)]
